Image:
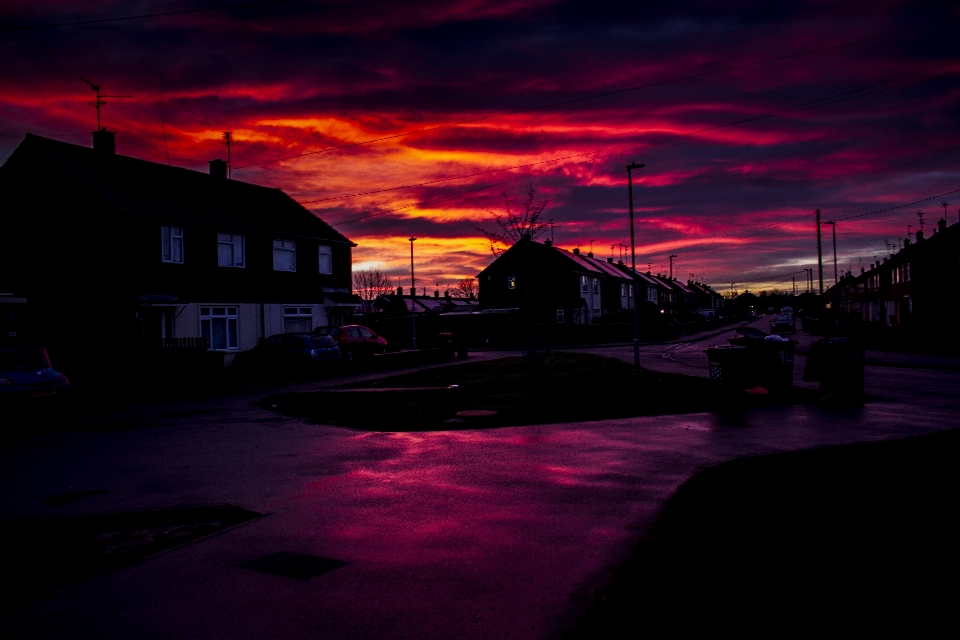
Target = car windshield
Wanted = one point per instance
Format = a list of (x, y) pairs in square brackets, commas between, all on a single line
[(323, 342), (24, 359)]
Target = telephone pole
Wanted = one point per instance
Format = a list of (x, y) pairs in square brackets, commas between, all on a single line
[(633, 266)]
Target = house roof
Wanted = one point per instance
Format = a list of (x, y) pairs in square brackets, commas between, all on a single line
[(607, 268), (147, 188)]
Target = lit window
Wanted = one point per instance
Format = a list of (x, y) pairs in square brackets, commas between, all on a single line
[(326, 259), (171, 244), (229, 250), (284, 255), (219, 326), (511, 282)]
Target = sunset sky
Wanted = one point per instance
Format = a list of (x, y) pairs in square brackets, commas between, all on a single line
[(514, 87)]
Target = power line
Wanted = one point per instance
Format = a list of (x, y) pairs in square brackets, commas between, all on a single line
[(599, 95), (146, 15), (624, 148)]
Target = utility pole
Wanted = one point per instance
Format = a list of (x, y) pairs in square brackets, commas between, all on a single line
[(633, 266), (671, 265), (833, 224), (820, 272), (413, 297), (794, 280)]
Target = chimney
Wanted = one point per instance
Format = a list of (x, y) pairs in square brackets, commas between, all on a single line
[(919, 236), (590, 254), (105, 142), (413, 292), (576, 251), (610, 260), (862, 271), (942, 224), (446, 294), (218, 169), (436, 293), (548, 243), (400, 291)]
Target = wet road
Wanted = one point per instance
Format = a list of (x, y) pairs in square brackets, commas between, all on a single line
[(470, 534)]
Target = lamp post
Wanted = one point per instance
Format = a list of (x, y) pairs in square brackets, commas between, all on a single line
[(413, 297), (633, 266)]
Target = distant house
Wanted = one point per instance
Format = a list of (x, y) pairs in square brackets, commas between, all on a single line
[(555, 285), (109, 249)]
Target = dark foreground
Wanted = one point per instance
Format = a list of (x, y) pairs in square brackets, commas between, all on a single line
[(852, 538)]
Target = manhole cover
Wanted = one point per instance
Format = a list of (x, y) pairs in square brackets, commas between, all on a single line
[(476, 413), (291, 564)]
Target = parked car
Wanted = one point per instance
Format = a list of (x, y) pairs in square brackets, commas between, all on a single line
[(26, 375), (356, 342), (292, 352), (783, 323)]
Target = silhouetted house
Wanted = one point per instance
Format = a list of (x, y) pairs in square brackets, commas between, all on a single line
[(554, 285), (707, 300), (912, 290), (401, 304), (112, 250)]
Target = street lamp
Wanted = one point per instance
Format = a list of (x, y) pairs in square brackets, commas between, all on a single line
[(413, 297), (633, 266)]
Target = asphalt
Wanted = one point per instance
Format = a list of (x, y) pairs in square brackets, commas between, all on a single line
[(497, 533)]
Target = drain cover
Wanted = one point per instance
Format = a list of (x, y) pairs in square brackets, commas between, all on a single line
[(290, 564), (476, 413)]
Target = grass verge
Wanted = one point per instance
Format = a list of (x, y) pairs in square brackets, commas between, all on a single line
[(858, 538), (567, 387)]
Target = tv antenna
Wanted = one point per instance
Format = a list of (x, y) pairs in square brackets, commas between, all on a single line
[(920, 215), (101, 99)]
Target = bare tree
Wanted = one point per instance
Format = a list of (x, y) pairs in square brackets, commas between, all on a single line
[(517, 221), (466, 288), (370, 285)]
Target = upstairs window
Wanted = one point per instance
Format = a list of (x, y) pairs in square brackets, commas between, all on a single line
[(584, 284), (596, 285), (326, 259), (284, 255), (171, 244), (230, 250)]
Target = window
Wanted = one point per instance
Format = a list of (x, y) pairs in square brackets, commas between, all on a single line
[(559, 316), (584, 284), (171, 244), (326, 259), (596, 285), (229, 250), (297, 319), (511, 282), (284, 255), (219, 326)]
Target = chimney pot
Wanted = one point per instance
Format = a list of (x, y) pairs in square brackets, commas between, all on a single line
[(399, 291), (548, 243), (942, 225), (919, 236), (105, 142), (436, 293), (576, 251), (590, 254), (218, 169)]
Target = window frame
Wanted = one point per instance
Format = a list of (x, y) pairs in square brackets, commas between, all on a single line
[(236, 241), (230, 313), (291, 251), (321, 255), (168, 235)]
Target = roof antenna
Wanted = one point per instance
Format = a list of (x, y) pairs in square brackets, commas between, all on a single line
[(227, 140), (163, 127), (101, 99)]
